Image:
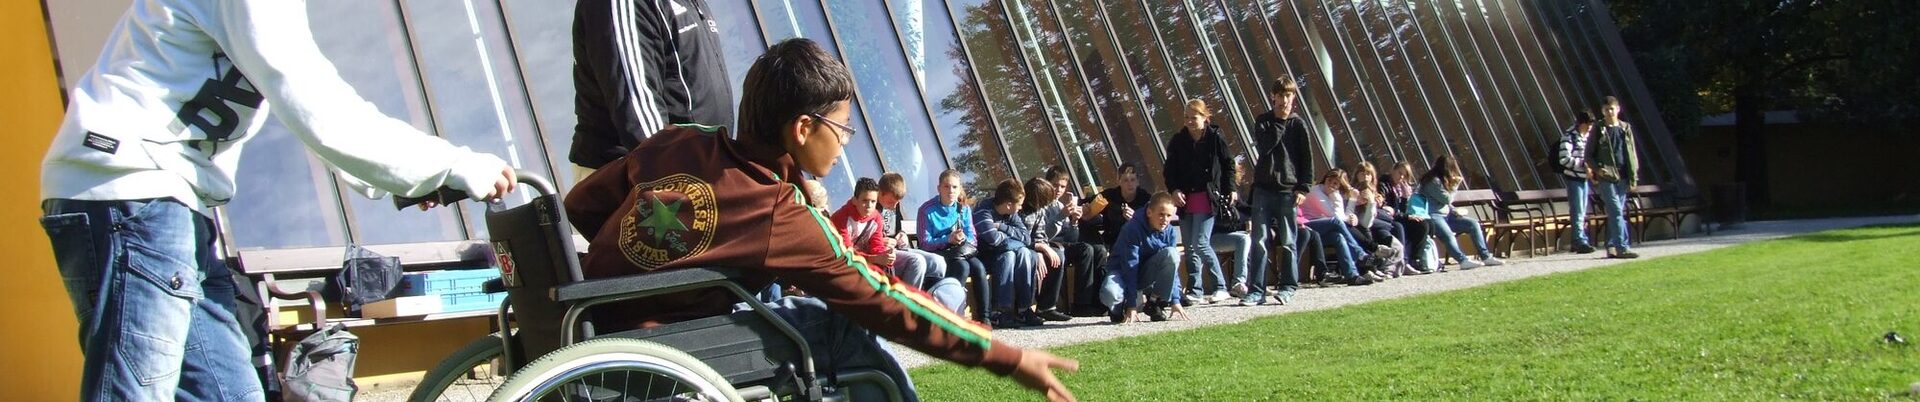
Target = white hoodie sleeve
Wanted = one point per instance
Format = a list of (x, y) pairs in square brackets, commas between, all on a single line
[(270, 42)]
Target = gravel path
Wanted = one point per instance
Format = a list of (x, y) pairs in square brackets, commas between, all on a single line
[(1091, 329)]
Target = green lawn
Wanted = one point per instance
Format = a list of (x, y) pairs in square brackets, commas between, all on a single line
[(1797, 318)]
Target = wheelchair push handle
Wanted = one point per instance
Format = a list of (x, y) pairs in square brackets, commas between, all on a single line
[(447, 196)]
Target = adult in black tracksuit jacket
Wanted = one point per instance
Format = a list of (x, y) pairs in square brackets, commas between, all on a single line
[(640, 66), (1281, 173), (1198, 165)]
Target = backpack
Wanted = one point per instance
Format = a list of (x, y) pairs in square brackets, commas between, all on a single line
[(320, 367)]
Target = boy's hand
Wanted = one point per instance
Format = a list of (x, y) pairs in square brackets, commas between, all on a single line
[(1126, 212), (1036, 373)]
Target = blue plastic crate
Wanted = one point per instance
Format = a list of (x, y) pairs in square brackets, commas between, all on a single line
[(444, 282), (470, 301)]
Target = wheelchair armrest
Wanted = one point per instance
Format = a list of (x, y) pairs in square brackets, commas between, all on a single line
[(653, 282)]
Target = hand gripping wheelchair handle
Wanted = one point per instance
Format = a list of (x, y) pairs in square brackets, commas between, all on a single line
[(448, 196)]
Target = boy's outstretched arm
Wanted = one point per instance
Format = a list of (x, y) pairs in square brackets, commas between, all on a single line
[(812, 257)]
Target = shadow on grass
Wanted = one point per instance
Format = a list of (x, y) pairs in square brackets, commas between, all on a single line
[(1863, 233)]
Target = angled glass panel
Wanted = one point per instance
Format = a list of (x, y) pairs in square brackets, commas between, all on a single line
[(1525, 147), (1316, 70), (1195, 70), (1109, 78), (887, 87), (542, 43), (1461, 91), (936, 55), (1062, 89), (1429, 103), (1010, 92), (1357, 20), (1340, 69), (1165, 101), (473, 85), (1398, 84), (740, 38)]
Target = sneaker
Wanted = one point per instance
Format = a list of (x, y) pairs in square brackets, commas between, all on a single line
[(1285, 297), (1583, 249), (1116, 315), (1028, 318), (1156, 311), (1626, 254), (1238, 290), (1492, 261), (1360, 280), (1187, 301), (1375, 276), (1252, 300), (1006, 320), (1053, 315), (1470, 264), (1219, 296)]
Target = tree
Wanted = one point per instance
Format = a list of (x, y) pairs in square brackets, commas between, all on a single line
[(1849, 62)]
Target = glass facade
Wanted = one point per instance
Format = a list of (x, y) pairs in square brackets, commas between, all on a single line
[(994, 89)]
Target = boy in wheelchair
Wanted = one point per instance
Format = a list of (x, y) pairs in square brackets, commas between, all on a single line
[(691, 196)]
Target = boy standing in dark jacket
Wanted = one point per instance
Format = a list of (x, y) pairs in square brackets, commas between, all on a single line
[(1282, 174)]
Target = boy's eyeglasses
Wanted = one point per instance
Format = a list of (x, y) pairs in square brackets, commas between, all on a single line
[(845, 132)]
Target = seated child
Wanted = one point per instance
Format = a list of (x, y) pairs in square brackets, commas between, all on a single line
[(1004, 247)]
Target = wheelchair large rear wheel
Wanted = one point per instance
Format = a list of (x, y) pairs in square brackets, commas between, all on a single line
[(615, 369), (470, 374)]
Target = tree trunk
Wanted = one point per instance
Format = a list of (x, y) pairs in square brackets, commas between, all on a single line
[(1749, 123)]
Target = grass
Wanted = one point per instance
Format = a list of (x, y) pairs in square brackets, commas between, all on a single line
[(1798, 318)]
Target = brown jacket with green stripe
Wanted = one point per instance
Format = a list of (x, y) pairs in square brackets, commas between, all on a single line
[(691, 197)]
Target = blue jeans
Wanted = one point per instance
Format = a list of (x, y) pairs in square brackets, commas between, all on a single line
[(933, 267), (154, 301), (1267, 207), (1335, 234), (1158, 276), (1443, 228), (1614, 196), (1577, 208), (950, 294), (1012, 278), (839, 345), (1241, 245), (1196, 232)]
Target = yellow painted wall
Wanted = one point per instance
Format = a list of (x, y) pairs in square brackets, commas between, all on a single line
[(38, 345)]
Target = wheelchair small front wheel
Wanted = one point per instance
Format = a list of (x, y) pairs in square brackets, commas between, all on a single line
[(616, 369)]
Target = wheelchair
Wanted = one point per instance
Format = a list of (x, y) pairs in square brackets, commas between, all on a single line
[(748, 355)]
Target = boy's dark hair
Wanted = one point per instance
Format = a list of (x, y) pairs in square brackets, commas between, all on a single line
[(793, 78), (1583, 116), (1037, 186), (865, 184), (1006, 191), (1284, 85), (1129, 168), (1056, 173), (1610, 101), (893, 184)]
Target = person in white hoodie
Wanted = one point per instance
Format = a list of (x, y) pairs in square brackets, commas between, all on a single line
[(1329, 214), (149, 146)]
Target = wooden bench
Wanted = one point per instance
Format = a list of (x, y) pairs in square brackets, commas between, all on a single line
[(1504, 219), (288, 275)]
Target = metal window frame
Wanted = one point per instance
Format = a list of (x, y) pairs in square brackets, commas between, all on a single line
[(1533, 116), (992, 118), (1033, 78), (1086, 89), (1459, 65), (1405, 57), (919, 84), (833, 34), (1324, 138)]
